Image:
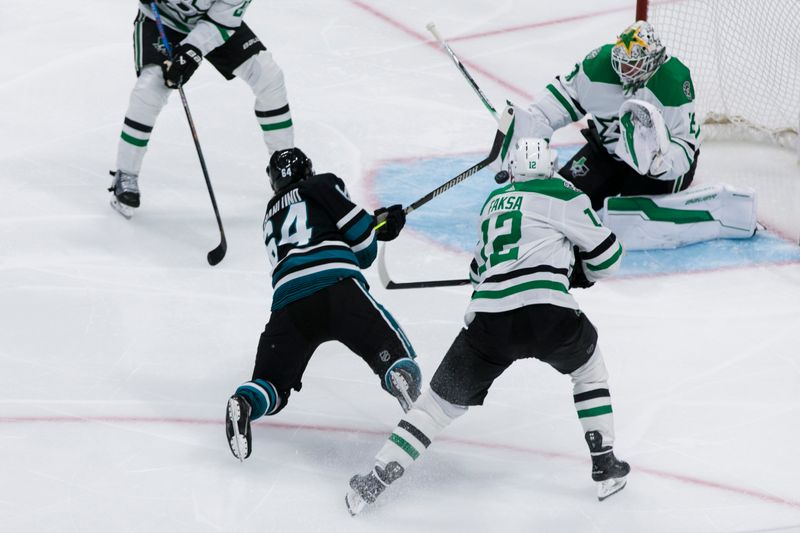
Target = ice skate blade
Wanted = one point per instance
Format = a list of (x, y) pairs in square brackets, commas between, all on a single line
[(610, 487), (355, 503), (237, 440), (124, 210)]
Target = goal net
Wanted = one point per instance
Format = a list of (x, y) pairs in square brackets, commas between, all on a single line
[(744, 57)]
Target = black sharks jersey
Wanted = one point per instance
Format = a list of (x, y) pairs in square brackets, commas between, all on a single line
[(315, 237)]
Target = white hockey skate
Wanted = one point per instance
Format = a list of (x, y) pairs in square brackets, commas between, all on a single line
[(125, 188), (365, 489), (609, 472), (237, 427)]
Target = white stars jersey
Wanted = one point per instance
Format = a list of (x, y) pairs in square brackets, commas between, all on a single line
[(593, 88), (525, 252), (209, 23)]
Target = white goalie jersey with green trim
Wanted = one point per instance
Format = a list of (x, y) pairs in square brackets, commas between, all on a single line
[(593, 88), (525, 253)]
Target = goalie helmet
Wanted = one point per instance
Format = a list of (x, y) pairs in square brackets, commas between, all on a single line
[(287, 167), (532, 158), (637, 54)]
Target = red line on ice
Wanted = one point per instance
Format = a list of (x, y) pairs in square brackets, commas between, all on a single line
[(341, 429), (534, 25), (433, 44)]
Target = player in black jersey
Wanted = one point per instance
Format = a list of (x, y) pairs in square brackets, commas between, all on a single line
[(318, 241)]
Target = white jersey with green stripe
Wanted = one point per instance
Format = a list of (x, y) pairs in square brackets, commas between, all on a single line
[(593, 88), (207, 23), (525, 253)]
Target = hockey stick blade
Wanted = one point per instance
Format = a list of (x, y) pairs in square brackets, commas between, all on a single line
[(386, 281), (505, 132), (218, 254)]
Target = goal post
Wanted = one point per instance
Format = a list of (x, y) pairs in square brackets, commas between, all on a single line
[(744, 57)]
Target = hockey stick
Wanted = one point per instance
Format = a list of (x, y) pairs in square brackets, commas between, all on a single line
[(217, 254), (488, 105), (387, 282), (505, 131)]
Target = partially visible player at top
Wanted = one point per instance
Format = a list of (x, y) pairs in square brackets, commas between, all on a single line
[(197, 29), (539, 237), (318, 241), (643, 138)]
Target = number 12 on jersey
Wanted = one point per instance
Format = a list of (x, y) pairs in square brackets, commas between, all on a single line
[(501, 235)]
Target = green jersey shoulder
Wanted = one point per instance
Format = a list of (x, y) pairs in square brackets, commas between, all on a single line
[(672, 84)]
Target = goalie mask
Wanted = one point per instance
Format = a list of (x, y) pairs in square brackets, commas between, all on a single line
[(637, 53), (532, 159), (287, 167)]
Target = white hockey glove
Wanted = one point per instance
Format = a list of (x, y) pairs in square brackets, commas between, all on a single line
[(643, 138)]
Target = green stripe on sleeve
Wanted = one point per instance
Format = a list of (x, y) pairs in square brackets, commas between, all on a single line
[(607, 263), (563, 101)]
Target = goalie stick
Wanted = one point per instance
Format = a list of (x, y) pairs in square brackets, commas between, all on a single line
[(486, 103), (505, 131), (217, 254)]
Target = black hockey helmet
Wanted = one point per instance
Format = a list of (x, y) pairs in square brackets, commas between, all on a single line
[(287, 167)]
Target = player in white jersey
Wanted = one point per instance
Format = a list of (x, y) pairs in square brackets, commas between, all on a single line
[(643, 137), (524, 266), (643, 145), (210, 29)]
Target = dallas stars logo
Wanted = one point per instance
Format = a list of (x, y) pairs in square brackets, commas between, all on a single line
[(579, 167), (630, 38)]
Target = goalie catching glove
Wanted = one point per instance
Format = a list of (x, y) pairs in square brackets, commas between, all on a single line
[(389, 221), (185, 60), (644, 138)]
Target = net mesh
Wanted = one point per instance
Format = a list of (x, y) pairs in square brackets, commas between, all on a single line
[(744, 56)]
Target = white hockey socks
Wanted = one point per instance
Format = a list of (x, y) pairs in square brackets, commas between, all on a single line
[(265, 79), (687, 217), (415, 432), (592, 398), (148, 98)]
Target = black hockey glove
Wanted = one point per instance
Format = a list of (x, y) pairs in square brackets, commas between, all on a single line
[(578, 279), (395, 218), (185, 60)]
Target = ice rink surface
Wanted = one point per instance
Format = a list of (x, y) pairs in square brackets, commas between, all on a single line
[(119, 345)]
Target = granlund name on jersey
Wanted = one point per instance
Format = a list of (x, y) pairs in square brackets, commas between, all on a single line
[(592, 87), (525, 253)]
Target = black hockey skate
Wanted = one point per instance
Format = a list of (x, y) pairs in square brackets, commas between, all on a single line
[(237, 427), (403, 380), (125, 187), (609, 472), (366, 489)]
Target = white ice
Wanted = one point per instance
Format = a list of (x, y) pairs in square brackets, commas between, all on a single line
[(119, 345)]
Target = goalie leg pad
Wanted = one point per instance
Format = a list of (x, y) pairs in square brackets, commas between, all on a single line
[(687, 217)]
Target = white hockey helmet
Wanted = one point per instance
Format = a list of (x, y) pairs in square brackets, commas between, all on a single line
[(638, 53), (532, 158)]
